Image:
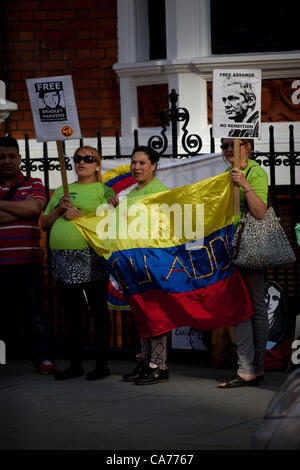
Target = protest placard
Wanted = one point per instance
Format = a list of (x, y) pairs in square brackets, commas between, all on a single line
[(54, 109), (236, 109), (55, 114), (236, 103)]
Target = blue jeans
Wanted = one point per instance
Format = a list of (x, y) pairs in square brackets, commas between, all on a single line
[(22, 290)]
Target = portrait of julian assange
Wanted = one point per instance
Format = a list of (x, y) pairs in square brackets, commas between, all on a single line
[(240, 105)]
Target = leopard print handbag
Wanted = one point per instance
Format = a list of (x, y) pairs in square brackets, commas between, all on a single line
[(260, 244)]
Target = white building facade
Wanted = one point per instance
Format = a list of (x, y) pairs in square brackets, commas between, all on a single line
[(188, 66)]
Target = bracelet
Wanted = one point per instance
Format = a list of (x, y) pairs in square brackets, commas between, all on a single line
[(248, 190)]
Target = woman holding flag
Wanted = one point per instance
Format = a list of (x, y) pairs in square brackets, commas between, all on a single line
[(151, 361), (81, 276), (251, 334)]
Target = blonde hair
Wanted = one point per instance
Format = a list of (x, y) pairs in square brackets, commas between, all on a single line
[(96, 155), (250, 144)]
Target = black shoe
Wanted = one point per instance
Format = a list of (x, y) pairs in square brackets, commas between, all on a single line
[(70, 373), (238, 381), (98, 373), (260, 378), (136, 373), (153, 376)]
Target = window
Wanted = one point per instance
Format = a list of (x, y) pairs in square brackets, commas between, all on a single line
[(157, 29), (257, 27), (152, 99)]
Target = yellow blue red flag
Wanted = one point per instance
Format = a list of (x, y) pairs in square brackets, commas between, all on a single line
[(120, 180), (170, 253)]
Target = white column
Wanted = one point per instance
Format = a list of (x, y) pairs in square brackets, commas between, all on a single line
[(188, 36), (127, 33), (129, 108), (187, 28)]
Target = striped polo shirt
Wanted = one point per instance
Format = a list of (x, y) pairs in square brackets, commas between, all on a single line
[(20, 240)]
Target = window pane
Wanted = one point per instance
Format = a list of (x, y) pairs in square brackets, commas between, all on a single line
[(152, 99), (157, 29), (258, 27)]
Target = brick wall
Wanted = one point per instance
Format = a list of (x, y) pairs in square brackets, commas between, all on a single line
[(65, 37)]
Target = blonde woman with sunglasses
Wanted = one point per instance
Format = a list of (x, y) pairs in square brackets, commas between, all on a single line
[(80, 275), (252, 334)]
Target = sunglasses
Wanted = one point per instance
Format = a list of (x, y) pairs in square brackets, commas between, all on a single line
[(86, 159), (226, 146)]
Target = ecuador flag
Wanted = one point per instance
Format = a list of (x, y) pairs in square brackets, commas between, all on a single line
[(121, 181), (119, 178), (170, 253)]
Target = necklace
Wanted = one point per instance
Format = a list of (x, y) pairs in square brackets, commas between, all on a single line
[(242, 167)]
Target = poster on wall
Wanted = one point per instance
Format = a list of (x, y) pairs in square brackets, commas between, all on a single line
[(187, 337), (54, 108), (236, 103)]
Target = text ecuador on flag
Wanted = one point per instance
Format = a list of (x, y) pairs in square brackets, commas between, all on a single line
[(170, 253)]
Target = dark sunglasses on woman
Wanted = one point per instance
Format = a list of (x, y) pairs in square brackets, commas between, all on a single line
[(85, 158), (226, 146)]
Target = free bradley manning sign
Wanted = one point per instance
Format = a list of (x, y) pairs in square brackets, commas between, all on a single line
[(54, 108)]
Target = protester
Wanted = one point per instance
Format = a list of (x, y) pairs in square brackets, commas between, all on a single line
[(151, 361), (252, 334), (21, 269), (80, 274)]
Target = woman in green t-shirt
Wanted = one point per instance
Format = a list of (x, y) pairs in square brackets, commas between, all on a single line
[(252, 334), (80, 275), (151, 361)]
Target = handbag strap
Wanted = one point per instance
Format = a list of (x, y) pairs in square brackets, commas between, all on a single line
[(12, 191), (269, 200), (248, 171)]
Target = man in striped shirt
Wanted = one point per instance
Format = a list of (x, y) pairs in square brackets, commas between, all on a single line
[(21, 270)]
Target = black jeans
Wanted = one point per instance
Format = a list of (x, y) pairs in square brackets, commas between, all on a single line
[(73, 298), (22, 289)]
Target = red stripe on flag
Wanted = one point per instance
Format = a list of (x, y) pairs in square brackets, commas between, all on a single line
[(225, 303), (123, 184), (116, 293)]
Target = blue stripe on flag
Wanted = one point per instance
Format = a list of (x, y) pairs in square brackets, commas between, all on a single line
[(175, 269)]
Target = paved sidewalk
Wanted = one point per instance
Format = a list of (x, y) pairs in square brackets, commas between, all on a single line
[(188, 412)]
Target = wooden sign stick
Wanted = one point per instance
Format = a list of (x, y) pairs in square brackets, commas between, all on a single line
[(236, 164), (63, 170)]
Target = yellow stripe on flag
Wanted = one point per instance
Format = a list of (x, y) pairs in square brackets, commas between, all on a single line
[(215, 194)]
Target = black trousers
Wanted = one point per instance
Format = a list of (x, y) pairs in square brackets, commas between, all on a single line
[(22, 290), (74, 298)]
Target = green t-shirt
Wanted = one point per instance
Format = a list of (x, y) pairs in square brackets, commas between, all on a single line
[(258, 179), (155, 186), (85, 197)]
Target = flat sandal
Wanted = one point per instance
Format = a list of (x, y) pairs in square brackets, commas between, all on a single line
[(237, 381)]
